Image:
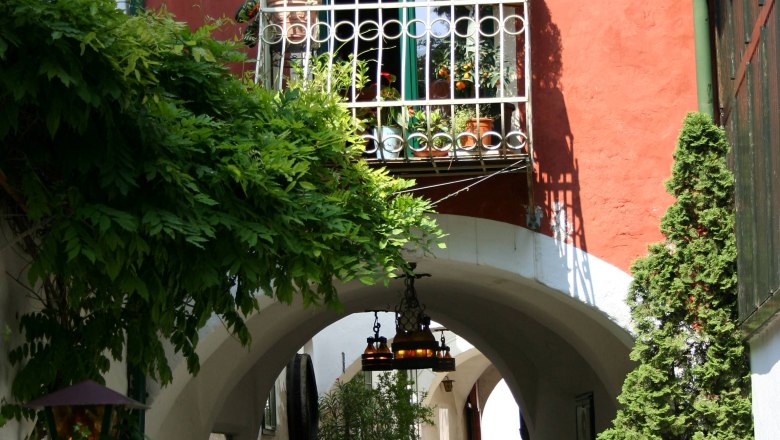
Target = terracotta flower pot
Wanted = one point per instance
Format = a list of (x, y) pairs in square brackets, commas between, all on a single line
[(428, 152), (476, 127)]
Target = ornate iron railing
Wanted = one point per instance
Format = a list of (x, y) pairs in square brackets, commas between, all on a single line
[(421, 74)]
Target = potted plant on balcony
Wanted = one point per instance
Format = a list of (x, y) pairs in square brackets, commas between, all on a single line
[(428, 132), (387, 130), (466, 73), (467, 70), (469, 128)]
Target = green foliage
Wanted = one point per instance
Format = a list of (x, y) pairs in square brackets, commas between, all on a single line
[(692, 378), (81, 432), (326, 72), (428, 122), (340, 76), (389, 412), (150, 190)]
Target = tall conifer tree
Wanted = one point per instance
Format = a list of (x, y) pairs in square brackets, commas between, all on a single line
[(692, 377)]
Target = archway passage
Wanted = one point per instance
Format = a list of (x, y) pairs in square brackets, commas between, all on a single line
[(549, 345)]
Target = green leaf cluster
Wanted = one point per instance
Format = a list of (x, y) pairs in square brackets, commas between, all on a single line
[(391, 411), (150, 189), (692, 377)]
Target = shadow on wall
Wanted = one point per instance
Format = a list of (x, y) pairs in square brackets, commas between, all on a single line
[(556, 185)]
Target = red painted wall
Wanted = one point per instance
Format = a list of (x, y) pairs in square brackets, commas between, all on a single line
[(612, 81), (196, 12)]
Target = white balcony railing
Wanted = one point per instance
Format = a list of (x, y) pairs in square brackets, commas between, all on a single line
[(431, 69)]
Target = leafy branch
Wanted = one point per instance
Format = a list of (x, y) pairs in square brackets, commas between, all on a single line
[(151, 190)]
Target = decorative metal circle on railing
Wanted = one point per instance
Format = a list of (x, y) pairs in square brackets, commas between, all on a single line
[(271, 34), (413, 23), (316, 31), (349, 36), (508, 29), (486, 137), (487, 20), (464, 142), (433, 25), (298, 33), (369, 30), (392, 23), (520, 135), (470, 27)]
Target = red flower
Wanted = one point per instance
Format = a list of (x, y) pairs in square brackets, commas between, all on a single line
[(388, 76)]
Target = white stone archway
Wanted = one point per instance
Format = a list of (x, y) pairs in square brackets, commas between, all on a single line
[(551, 318)]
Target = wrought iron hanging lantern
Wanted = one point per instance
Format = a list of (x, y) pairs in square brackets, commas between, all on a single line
[(377, 356), (86, 406), (414, 346), (445, 362), (447, 383)]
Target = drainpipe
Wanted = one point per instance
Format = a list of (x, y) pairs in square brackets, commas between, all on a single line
[(701, 32)]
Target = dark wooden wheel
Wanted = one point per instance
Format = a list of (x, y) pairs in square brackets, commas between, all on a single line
[(302, 409)]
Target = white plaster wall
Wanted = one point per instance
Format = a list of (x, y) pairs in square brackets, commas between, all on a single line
[(454, 407), (472, 367), (242, 412), (13, 302), (765, 378), (281, 432), (553, 263)]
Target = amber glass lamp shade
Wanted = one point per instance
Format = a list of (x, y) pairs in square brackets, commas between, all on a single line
[(445, 362), (383, 348), (415, 350), (90, 420), (376, 356)]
